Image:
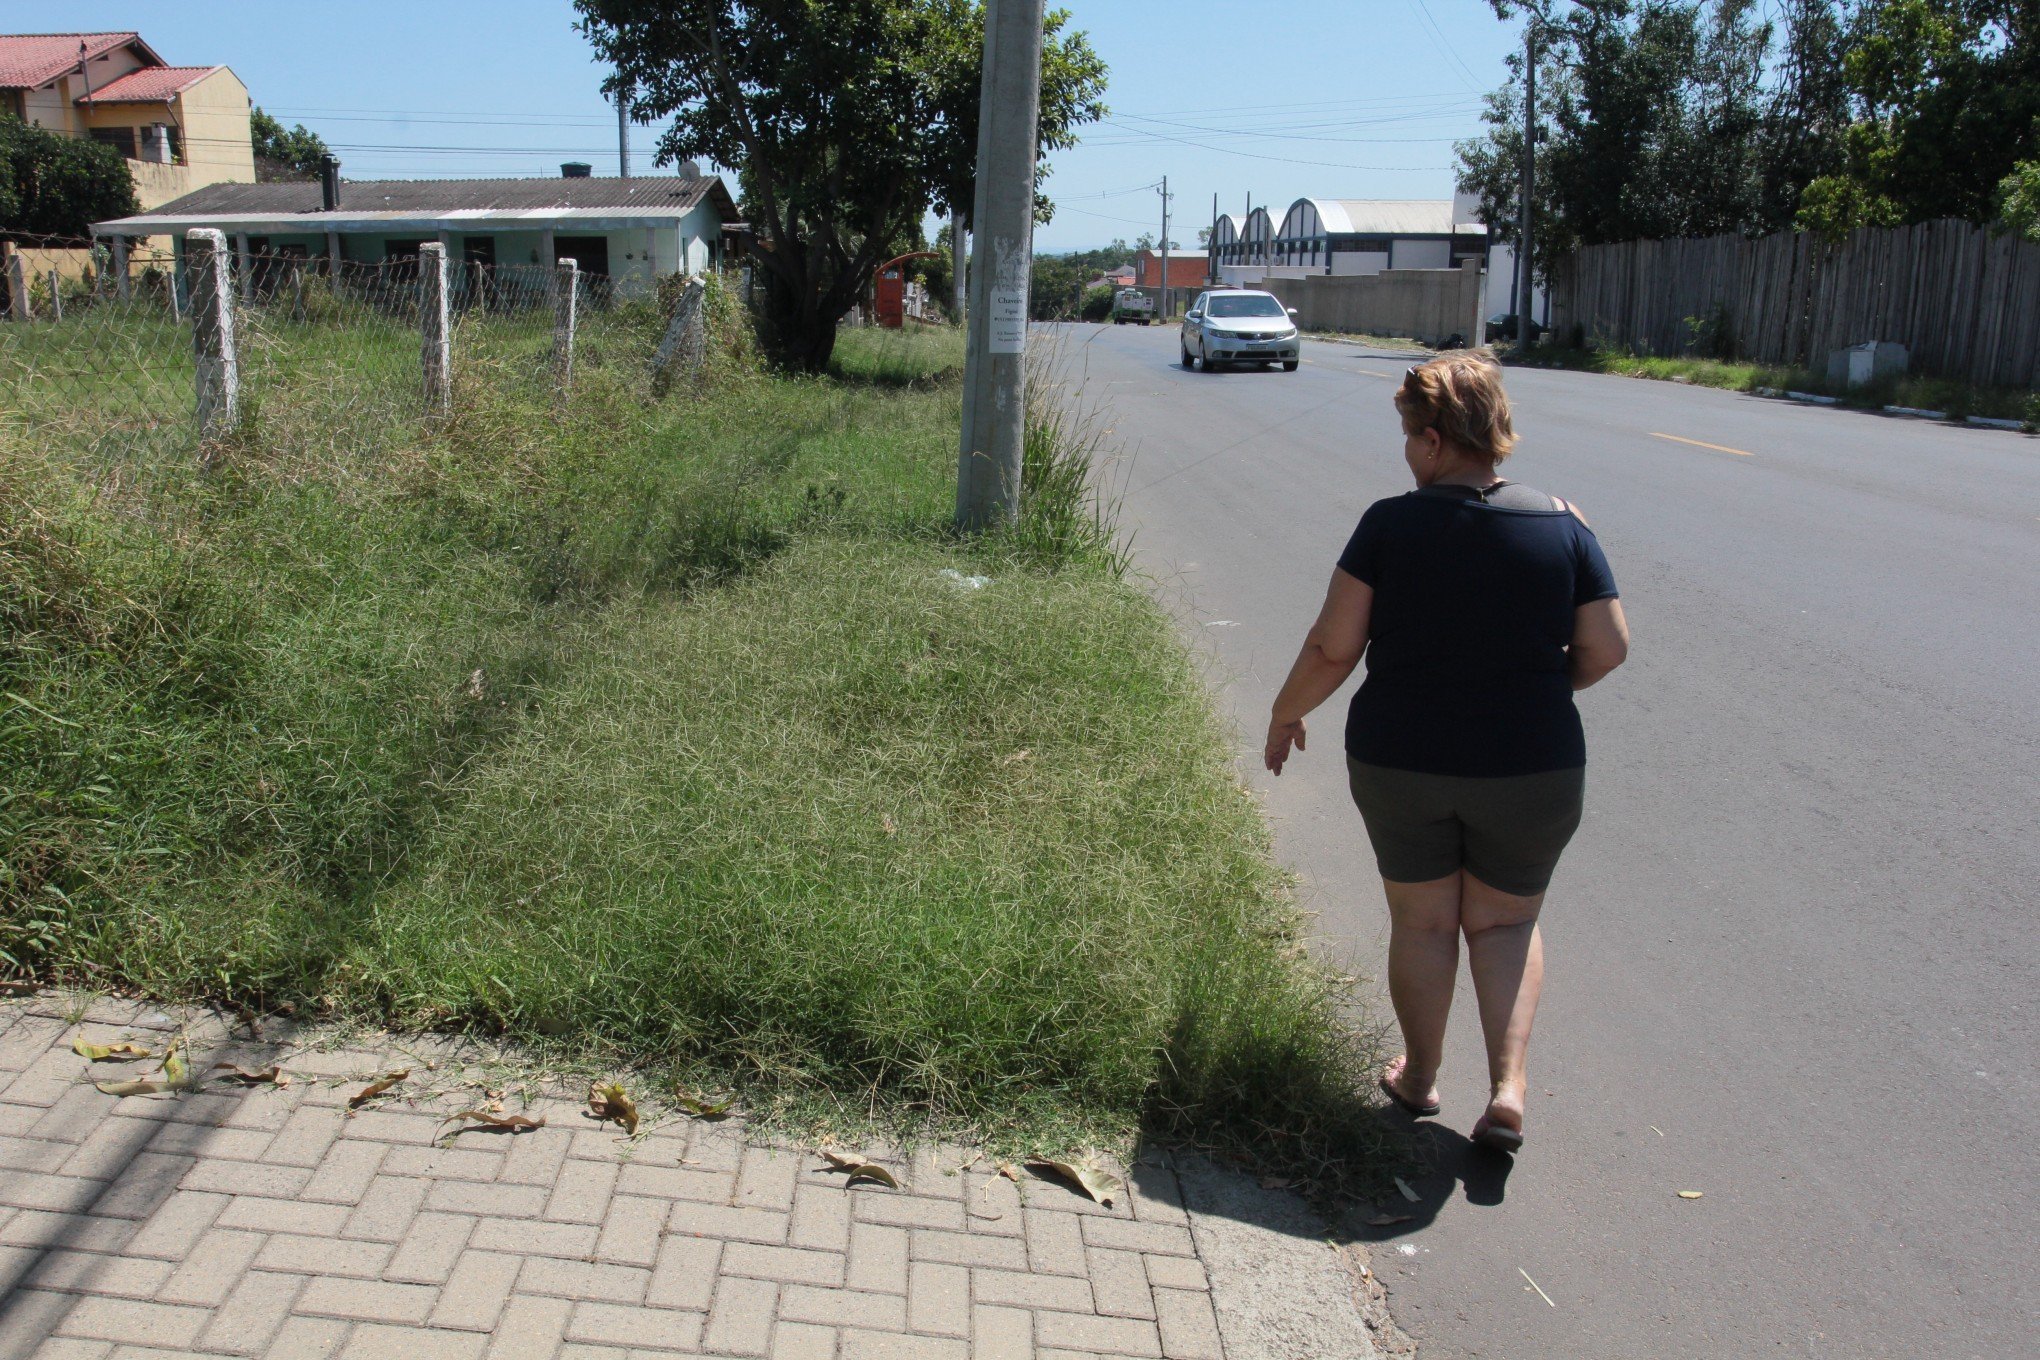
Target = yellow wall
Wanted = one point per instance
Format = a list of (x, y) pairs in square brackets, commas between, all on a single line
[(217, 140)]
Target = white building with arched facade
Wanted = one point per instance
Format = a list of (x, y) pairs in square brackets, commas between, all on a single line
[(1346, 236)]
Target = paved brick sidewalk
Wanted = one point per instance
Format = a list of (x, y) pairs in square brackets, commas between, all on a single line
[(266, 1222)]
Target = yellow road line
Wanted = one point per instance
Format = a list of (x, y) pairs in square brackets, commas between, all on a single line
[(1703, 444)]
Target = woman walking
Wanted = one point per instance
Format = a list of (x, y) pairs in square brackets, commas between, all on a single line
[(1481, 606)]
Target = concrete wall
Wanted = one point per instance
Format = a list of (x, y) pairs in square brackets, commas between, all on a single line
[(1424, 304)]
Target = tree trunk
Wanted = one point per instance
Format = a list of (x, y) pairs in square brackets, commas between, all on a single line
[(795, 337)]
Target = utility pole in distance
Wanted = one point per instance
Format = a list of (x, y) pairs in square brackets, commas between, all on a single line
[(1524, 281), (1164, 308), (623, 132), (1002, 256)]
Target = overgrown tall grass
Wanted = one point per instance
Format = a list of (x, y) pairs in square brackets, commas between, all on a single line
[(683, 731)]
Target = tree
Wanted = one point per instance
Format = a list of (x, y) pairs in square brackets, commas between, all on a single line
[(1809, 110), (849, 121), (1660, 118), (285, 155), (59, 186), (1945, 103), (2019, 200)]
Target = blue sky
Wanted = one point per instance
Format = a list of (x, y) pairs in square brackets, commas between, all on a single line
[(1332, 98)]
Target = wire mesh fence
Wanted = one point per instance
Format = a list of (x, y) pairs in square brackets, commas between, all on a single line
[(104, 354)]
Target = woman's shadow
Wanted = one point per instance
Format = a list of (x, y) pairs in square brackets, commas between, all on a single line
[(1444, 1160)]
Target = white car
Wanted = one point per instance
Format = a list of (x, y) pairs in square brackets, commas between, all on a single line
[(1240, 326)]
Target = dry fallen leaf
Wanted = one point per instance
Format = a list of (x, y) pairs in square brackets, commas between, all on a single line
[(704, 1109), (268, 1076), (1087, 1178), (1407, 1193), (1017, 757), (491, 1120), (859, 1169), (19, 988), (612, 1104), (1387, 1220), (892, 828), (1276, 1183), (110, 1052), (1689, 1194), (376, 1088), (1009, 1171)]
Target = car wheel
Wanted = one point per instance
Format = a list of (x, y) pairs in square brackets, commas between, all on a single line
[(1189, 359), (1290, 365)]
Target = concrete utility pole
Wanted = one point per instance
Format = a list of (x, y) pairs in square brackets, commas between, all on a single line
[(994, 377), (1524, 279), (1163, 310), (623, 132)]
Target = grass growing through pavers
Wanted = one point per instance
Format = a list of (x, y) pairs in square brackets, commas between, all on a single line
[(671, 731)]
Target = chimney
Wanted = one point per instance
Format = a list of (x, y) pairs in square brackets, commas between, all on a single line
[(329, 182), (576, 170)]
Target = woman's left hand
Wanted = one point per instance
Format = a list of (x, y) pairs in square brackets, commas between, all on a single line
[(1280, 735)]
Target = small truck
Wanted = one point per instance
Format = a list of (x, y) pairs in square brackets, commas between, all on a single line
[(1130, 304)]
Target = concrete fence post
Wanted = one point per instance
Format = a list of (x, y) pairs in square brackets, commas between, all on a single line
[(244, 266), (212, 331), (438, 349), (682, 346), (17, 287), (56, 296), (121, 286), (566, 281)]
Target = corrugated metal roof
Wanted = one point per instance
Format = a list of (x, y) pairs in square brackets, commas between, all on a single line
[(31, 59), (346, 220), (1392, 217), (664, 195), (150, 85)]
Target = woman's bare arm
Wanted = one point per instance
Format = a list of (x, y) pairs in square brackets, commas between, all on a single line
[(1600, 641), (1330, 651)]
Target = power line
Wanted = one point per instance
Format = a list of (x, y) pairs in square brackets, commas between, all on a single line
[(1444, 45)]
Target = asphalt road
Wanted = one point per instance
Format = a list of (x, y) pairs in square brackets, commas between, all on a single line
[(1792, 950)]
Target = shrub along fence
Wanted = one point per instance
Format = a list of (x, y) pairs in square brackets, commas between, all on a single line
[(1964, 301), (144, 349)]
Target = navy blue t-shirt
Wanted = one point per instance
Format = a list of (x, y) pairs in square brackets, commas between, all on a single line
[(1473, 611)]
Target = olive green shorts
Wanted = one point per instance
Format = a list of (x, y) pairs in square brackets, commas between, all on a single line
[(1506, 832)]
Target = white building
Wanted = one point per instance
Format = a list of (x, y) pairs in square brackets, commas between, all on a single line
[(1346, 236)]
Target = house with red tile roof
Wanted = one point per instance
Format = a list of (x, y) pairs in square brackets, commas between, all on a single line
[(181, 128)]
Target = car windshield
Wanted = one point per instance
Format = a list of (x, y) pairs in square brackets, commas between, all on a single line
[(1244, 304)]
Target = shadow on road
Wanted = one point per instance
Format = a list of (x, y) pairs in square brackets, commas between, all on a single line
[(1453, 1162)]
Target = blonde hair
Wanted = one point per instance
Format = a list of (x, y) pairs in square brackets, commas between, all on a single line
[(1460, 394)]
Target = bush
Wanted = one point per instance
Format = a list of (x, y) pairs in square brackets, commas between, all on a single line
[(1097, 303)]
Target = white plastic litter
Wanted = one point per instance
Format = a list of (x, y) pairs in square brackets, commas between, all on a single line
[(962, 582)]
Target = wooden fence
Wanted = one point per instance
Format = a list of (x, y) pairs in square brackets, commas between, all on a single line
[(1964, 301)]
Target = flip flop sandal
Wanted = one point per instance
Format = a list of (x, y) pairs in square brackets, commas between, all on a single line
[(1497, 1137), (1420, 1111)]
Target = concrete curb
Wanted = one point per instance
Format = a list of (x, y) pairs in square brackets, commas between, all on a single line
[(1283, 1288)]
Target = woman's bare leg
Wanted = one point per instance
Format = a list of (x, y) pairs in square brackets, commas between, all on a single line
[(1505, 953), (1423, 967)]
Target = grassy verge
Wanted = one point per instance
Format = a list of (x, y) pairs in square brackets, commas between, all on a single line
[(678, 734), (1955, 399)]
